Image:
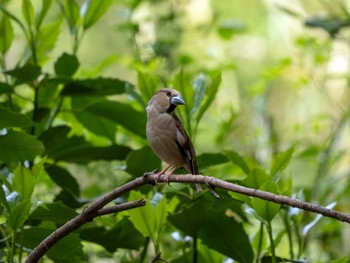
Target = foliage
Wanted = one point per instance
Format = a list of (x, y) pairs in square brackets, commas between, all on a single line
[(71, 130)]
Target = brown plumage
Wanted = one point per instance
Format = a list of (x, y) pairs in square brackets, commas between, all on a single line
[(166, 134)]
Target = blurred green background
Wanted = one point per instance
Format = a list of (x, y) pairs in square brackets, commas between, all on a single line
[(267, 91)]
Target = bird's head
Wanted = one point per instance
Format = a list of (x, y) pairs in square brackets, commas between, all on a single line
[(166, 100)]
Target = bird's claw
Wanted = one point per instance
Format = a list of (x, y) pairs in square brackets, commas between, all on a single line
[(166, 179)]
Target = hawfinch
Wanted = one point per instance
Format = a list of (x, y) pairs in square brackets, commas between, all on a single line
[(166, 134)]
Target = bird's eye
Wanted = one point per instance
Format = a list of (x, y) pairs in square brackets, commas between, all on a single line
[(168, 93)]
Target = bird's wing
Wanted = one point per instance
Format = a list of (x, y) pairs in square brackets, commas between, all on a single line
[(185, 146)]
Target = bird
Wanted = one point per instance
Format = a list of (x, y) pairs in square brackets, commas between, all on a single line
[(167, 136)]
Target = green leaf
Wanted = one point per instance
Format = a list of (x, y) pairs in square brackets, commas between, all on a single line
[(19, 214), (200, 86), (122, 235), (238, 160), (94, 11), (45, 6), (256, 178), (77, 149), (228, 28), (47, 38), (5, 88), (140, 161), (28, 12), (99, 126), (206, 160), (94, 87), (66, 65), (63, 179), (190, 219), (23, 182), (226, 236), (149, 219), (122, 114), (266, 209), (9, 119), (55, 212), (27, 73), (72, 15), (147, 85), (6, 33), (318, 217), (341, 260), (281, 161), (3, 198), (67, 250), (211, 92), (19, 146)]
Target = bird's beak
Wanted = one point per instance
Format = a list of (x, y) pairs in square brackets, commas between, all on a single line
[(177, 100)]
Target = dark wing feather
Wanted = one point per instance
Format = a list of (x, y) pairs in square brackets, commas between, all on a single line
[(185, 147)]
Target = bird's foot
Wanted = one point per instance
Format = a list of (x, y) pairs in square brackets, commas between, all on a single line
[(166, 179), (156, 177)]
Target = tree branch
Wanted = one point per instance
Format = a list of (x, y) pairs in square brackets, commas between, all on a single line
[(97, 208)]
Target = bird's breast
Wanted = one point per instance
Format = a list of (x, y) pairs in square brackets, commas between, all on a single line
[(161, 134)]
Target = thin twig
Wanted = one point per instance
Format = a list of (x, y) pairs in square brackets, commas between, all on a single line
[(96, 209)]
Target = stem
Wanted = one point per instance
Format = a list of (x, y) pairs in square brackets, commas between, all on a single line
[(261, 236), (54, 113), (289, 233), (326, 154), (13, 247), (195, 249), (272, 242), (144, 250)]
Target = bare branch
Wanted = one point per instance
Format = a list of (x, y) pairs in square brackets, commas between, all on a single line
[(98, 209), (121, 207)]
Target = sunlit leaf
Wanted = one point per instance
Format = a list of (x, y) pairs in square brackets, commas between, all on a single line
[(45, 6), (47, 38), (6, 33), (72, 15), (19, 146), (28, 11), (94, 11)]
